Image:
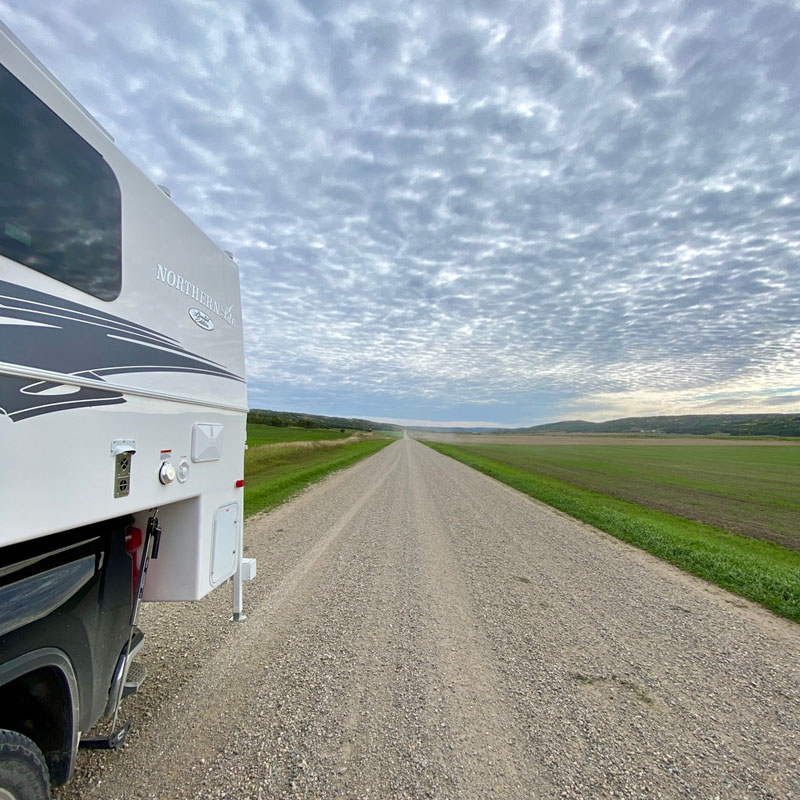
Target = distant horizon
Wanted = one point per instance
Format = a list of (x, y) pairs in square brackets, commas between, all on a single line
[(421, 423), (462, 424)]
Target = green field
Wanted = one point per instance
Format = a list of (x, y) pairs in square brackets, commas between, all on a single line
[(750, 489), (269, 434), (644, 495), (278, 468)]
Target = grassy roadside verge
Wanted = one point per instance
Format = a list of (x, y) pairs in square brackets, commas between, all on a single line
[(258, 434), (273, 474), (760, 571)]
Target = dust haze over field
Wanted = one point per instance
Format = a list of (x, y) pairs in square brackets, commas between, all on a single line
[(503, 211)]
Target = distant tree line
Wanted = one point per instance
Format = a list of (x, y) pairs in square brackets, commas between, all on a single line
[(692, 424), (293, 419)]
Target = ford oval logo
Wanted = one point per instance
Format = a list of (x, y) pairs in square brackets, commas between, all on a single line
[(202, 319)]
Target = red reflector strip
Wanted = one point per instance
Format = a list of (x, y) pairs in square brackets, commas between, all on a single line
[(239, 484), (133, 541)]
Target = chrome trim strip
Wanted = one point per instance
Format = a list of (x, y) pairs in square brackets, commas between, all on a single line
[(72, 380)]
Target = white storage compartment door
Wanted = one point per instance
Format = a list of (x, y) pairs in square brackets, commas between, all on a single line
[(225, 547)]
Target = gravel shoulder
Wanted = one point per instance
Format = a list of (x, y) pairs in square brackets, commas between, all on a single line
[(419, 630)]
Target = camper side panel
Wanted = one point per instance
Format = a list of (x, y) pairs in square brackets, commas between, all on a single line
[(121, 355)]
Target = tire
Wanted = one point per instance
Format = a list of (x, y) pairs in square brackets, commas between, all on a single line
[(23, 771)]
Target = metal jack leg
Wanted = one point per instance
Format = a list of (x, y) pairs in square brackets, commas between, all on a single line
[(238, 615)]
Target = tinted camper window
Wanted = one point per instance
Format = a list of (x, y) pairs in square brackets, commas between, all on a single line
[(60, 201)]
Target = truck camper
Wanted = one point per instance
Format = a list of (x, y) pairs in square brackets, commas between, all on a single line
[(122, 422)]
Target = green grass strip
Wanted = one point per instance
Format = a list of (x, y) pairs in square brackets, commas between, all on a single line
[(267, 486), (760, 571), (258, 434)]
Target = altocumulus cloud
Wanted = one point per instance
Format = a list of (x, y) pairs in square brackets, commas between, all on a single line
[(479, 210)]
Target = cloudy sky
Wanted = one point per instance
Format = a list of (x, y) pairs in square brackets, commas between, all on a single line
[(479, 211)]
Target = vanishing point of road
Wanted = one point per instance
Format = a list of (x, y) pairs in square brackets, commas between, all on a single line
[(418, 630)]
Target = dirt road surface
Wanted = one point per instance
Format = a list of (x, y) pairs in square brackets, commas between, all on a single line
[(417, 630)]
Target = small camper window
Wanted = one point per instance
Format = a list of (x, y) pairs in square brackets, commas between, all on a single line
[(60, 204)]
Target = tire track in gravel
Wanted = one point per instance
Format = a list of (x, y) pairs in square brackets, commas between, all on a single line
[(473, 696)]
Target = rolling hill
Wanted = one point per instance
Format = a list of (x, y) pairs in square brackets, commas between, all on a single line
[(692, 424)]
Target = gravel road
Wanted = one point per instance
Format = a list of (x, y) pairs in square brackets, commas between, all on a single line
[(418, 630)]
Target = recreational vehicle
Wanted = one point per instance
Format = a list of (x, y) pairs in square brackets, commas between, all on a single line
[(122, 422)]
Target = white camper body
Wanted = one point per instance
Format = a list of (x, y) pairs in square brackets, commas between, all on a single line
[(122, 370)]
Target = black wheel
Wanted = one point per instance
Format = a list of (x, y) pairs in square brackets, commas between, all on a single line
[(23, 772)]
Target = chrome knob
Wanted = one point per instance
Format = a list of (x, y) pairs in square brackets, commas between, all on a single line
[(166, 474)]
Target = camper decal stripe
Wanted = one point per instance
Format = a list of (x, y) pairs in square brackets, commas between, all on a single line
[(14, 296), (59, 336)]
